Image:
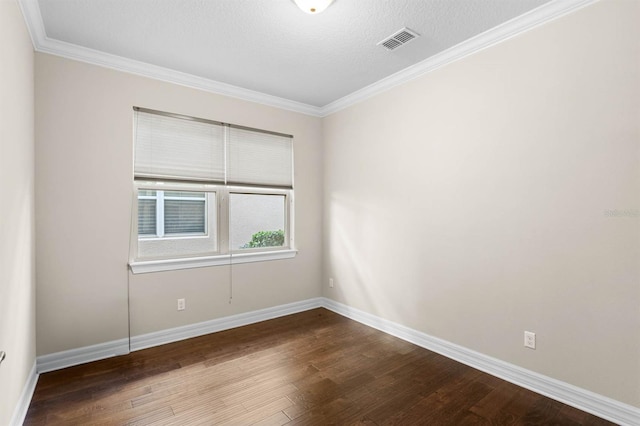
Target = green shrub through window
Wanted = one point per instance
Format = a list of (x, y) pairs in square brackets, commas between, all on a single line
[(266, 239)]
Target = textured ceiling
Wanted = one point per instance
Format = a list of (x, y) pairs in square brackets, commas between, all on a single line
[(270, 46)]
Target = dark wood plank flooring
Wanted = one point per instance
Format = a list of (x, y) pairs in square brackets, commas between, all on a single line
[(311, 368)]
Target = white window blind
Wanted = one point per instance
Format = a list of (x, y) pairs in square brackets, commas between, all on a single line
[(259, 158), (169, 147)]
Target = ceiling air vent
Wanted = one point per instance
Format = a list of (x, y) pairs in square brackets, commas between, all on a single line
[(398, 38)]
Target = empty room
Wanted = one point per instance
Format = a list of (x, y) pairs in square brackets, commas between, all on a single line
[(313, 212)]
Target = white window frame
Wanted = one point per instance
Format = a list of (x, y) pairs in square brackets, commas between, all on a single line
[(288, 220), (224, 255)]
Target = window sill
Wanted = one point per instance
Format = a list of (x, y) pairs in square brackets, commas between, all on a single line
[(143, 267)]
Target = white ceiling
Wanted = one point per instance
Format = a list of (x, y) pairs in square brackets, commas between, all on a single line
[(270, 46)]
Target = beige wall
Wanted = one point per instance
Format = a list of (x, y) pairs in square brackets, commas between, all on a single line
[(17, 266), (470, 203), (83, 191)]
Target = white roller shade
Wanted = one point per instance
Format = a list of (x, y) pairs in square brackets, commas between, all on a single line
[(259, 158), (169, 147)]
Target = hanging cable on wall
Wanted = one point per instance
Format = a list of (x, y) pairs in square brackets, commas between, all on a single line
[(226, 181)]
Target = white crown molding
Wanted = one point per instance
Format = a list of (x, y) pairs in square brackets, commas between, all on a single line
[(491, 37), (566, 393), (20, 411), (44, 44), (200, 329), (518, 25)]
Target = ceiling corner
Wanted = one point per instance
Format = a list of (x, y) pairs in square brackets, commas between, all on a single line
[(528, 21), (41, 43)]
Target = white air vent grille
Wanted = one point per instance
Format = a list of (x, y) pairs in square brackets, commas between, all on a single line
[(399, 38)]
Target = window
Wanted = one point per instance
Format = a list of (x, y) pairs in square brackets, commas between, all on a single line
[(174, 223), (169, 213), (256, 220), (209, 193)]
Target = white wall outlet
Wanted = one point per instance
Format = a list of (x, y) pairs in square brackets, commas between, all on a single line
[(182, 304), (530, 339), (331, 282)]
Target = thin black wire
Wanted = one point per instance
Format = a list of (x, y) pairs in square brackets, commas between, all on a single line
[(131, 235), (228, 204)]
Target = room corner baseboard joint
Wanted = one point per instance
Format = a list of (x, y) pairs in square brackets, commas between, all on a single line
[(20, 411)]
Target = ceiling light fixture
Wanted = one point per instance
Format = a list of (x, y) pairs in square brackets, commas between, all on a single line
[(313, 7)]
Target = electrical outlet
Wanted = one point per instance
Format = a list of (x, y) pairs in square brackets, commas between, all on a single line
[(530, 339), (182, 305), (331, 282)]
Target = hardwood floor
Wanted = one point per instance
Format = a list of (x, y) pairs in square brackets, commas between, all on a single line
[(311, 368)]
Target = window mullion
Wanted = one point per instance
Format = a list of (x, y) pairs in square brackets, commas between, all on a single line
[(223, 220), (160, 213), (289, 225)]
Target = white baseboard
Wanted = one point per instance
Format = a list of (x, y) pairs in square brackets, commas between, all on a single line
[(582, 399), (60, 360), (69, 358), (199, 329), (566, 393), (20, 412)]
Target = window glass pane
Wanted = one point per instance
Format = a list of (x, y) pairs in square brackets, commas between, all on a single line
[(184, 194), (256, 220), (187, 227), (183, 216), (146, 217), (146, 193)]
